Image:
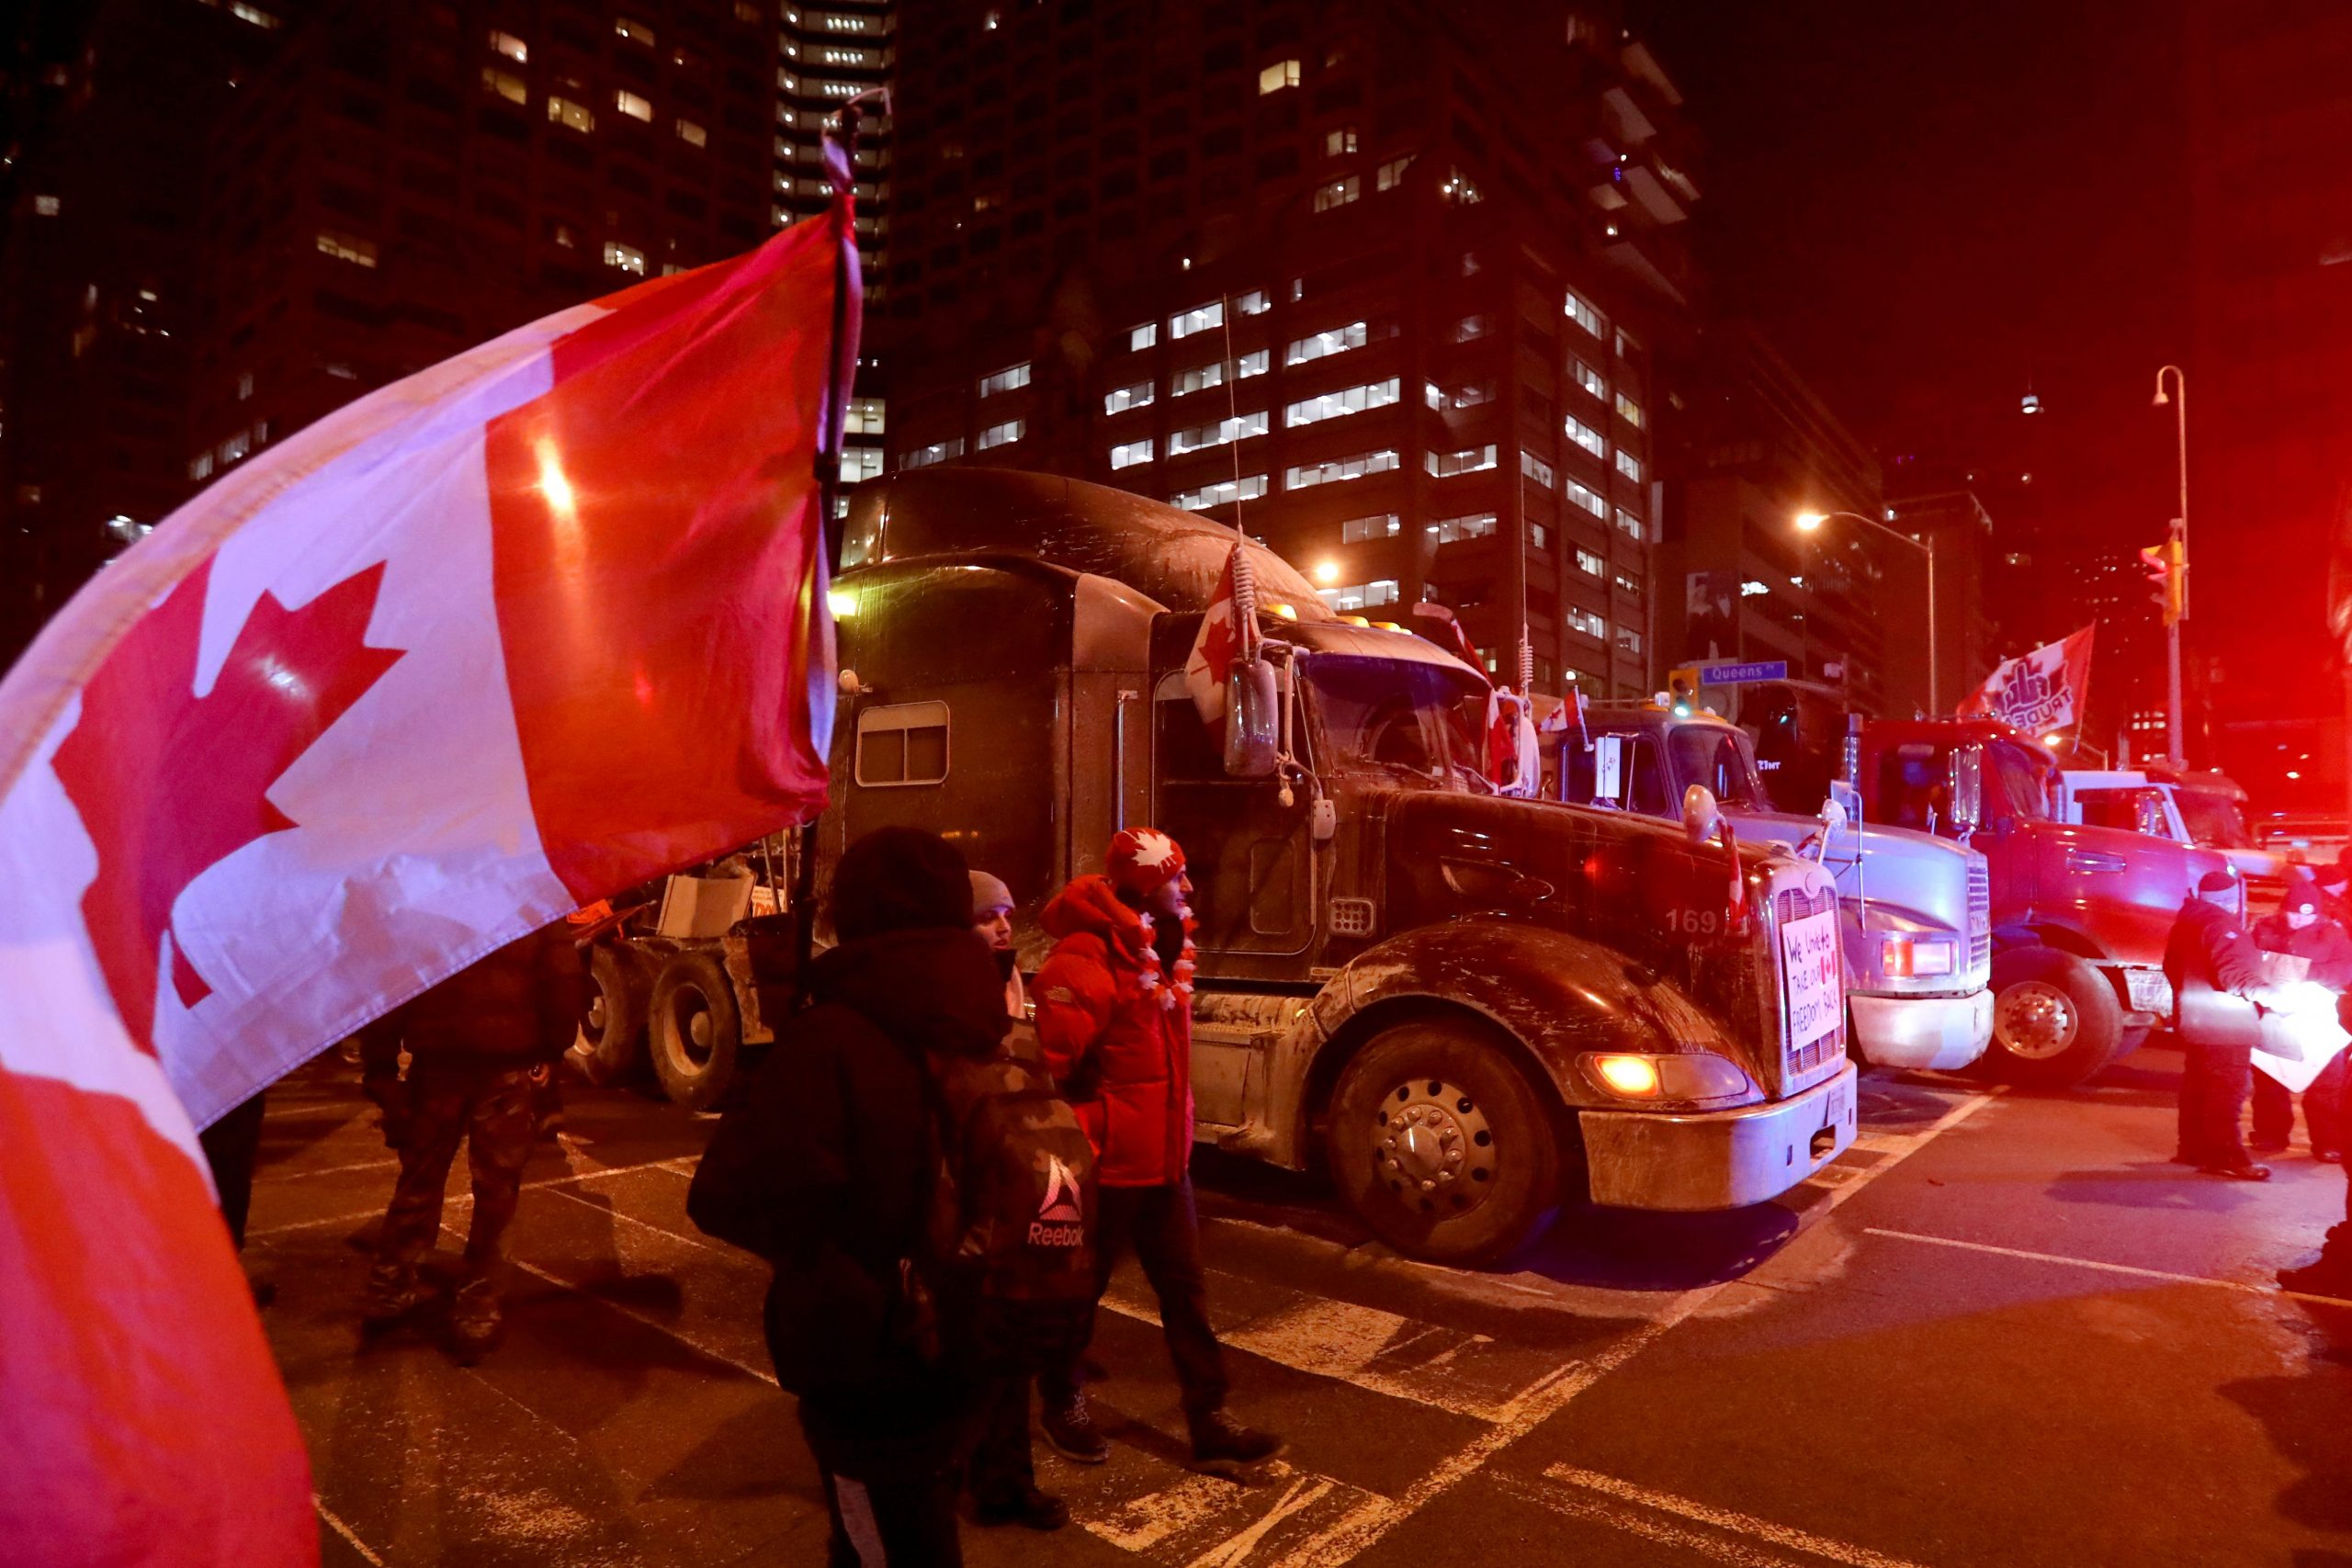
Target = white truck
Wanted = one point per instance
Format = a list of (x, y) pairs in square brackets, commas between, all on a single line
[(1915, 910), (2188, 806)]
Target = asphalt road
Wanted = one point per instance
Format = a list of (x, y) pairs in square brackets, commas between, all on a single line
[(2001, 1330)]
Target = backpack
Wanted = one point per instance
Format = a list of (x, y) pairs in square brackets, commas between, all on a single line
[(1013, 1212)]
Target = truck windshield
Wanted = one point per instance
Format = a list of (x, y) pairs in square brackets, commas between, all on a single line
[(2213, 820), (1400, 718), (1723, 759), (2020, 783)]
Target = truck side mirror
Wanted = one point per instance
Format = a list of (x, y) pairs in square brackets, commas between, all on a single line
[(1252, 720), (1701, 814), (1968, 788)]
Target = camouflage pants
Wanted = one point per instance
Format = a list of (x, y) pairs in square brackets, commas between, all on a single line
[(490, 1109)]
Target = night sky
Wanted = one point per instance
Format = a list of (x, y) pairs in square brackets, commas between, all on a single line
[(1930, 206)]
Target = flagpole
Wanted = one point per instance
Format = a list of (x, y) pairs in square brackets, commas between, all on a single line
[(1232, 415), (840, 371)]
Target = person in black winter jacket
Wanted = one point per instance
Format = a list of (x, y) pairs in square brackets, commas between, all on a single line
[(828, 1169), (2217, 980), (473, 1042), (2301, 928)]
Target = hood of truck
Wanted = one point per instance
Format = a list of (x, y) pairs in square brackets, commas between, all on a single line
[(1892, 879), (1635, 886), (2118, 890)]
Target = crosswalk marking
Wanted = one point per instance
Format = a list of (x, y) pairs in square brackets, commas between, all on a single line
[(1191, 1520), (1753, 1542)]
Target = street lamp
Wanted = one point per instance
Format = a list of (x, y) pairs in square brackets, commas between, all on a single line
[(1811, 521), (2178, 400)]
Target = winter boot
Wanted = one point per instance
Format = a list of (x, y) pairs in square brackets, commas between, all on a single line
[(1070, 1428), (393, 1294), (474, 1321), (1222, 1445)]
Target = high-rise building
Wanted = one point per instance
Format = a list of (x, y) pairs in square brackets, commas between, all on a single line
[(406, 181), (1958, 532), (234, 218), (2269, 405), (1380, 284), (1753, 449), (108, 109)]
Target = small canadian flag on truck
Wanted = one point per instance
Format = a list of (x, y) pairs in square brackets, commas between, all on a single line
[(1229, 636)]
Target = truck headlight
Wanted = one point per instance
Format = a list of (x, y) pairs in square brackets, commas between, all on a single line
[(1695, 1074), (1907, 955)]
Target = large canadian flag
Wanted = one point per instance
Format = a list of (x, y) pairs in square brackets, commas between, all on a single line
[(1229, 636), (525, 629)]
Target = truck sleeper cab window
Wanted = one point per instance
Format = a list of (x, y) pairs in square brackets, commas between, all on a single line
[(902, 744)]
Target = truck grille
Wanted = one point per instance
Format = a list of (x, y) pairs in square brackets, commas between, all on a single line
[(1805, 1062), (1980, 913)]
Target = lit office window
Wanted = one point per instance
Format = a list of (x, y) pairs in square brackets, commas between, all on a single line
[(1629, 410), (1199, 379), (1253, 303), (1589, 564), (1338, 340), (1587, 438), (1589, 378), (1341, 142), (1346, 400), (635, 31), (1307, 475), (865, 416), (1336, 193), (1586, 498), (937, 452), (510, 45), (1255, 364), (1469, 460), (1248, 488), (1535, 468), (633, 106), (1127, 454), (1355, 530), (692, 134), (1121, 399), (506, 84), (349, 247), (1201, 318), (1000, 435), (1362, 595), (1392, 173), (625, 258), (1585, 316), (1629, 465), (1143, 336), (1471, 525), (1628, 523), (1276, 77), (1006, 379), (565, 112), (1587, 622), (1239, 427)]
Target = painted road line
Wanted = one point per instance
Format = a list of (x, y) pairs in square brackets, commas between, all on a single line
[(1444, 1369), (734, 1252), (1358, 1532), (1207, 1521), (272, 1178), (1604, 1499), (465, 1200), (345, 1530), (2242, 1286)]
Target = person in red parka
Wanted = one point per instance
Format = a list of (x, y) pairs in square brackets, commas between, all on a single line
[(1114, 1018)]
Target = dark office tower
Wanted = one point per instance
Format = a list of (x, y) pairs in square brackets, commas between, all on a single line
[(1378, 281), (831, 54), (2269, 395), (108, 109), (406, 181)]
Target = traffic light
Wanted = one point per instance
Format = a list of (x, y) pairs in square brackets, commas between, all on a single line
[(1683, 691), (2168, 568)]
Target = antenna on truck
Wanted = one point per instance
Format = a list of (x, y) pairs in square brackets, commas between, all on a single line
[(1232, 417)]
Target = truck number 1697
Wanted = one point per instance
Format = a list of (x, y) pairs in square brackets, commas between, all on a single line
[(1694, 922)]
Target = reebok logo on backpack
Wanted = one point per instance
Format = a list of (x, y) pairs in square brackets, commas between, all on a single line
[(1061, 1217), (1014, 1209)]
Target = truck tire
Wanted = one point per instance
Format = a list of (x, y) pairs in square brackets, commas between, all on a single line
[(696, 1032), (1441, 1146), (2056, 1019), (612, 1036)]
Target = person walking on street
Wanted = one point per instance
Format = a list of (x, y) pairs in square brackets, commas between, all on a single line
[(2300, 928), (1114, 1019), (2216, 974), (472, 1041), (830, 1170)]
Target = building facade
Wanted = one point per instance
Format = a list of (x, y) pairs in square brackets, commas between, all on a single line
[(234, 218), (1752, 450), (1381, 284), (1958, 532)]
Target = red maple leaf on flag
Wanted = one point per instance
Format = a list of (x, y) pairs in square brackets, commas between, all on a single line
[(169, 784)]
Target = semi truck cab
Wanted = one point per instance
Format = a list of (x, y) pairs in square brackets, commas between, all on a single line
[(2080, 913), (1915, 918), (1468, 1007)]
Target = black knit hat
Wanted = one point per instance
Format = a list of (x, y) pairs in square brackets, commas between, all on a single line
[(899, 879), (2214, 881), (2301, 897)]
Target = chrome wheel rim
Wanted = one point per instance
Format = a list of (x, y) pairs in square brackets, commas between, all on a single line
[(2038, 1020), (1432, 1149)]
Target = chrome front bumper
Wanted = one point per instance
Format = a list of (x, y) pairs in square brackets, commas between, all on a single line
[(1939, 1033), (1717, 1159)]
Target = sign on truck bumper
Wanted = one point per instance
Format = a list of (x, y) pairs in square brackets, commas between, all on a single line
[(1717, 1159), (1939, 1033)]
